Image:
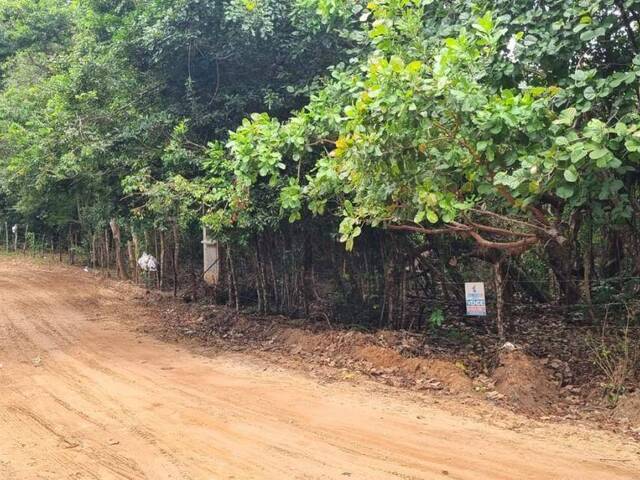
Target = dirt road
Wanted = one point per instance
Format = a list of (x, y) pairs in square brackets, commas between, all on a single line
[(82, 396)]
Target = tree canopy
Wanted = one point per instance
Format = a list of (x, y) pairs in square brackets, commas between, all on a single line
[(507, 127)]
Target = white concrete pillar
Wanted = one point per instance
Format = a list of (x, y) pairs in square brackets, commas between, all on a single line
[(211, 257)]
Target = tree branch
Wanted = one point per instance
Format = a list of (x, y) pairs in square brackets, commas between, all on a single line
[(513, 247), (549, 232), (499, 231), (423, 230), (456, 228)]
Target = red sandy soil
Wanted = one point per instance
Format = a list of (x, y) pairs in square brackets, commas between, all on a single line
[(83, 395)]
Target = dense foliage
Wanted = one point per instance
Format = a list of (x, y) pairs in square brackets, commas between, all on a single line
[(426, 136)]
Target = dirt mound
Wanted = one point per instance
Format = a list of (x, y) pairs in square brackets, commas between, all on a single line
[(451, 376), (525, 383), (330, 341), (628, 409), (380, 357), (373, 354), (297, 341)]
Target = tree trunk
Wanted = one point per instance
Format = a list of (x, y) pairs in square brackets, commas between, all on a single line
[(147, 242), (614, 253), (229, 283), (107, 250), (26, 236), (258, 280), (498, 276), (307, 272), (587, 263), (274, 283), (263, 278), (162, 263), (132, 259), (560, 261), (176, 256), (232, 274), (71, 247), (93, 250), (136, 254), (115, 230)]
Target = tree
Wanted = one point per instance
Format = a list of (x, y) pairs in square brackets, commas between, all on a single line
[(482, 135)]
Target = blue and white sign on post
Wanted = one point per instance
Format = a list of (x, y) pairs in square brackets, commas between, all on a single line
[(474, 294)]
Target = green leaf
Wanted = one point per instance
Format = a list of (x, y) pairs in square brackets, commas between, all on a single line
[(589, 93), (484, 23), (621, 129), (432, 216), (588, 35), (598, 153), (414, 66), (294, 217), (566, 117), (397, 64), (579, 75), (379, 29), (349, 244), (571, 174), (437, 318), (632, 145), (485, 188), (578, 154), (565, 191)]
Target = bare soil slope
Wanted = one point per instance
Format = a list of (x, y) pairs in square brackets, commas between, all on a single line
[(82, 396)]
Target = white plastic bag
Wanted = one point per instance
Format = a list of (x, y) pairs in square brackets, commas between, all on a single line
[(148, 263)]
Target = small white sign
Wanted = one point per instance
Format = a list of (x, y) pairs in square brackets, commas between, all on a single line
[(474, 294)]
